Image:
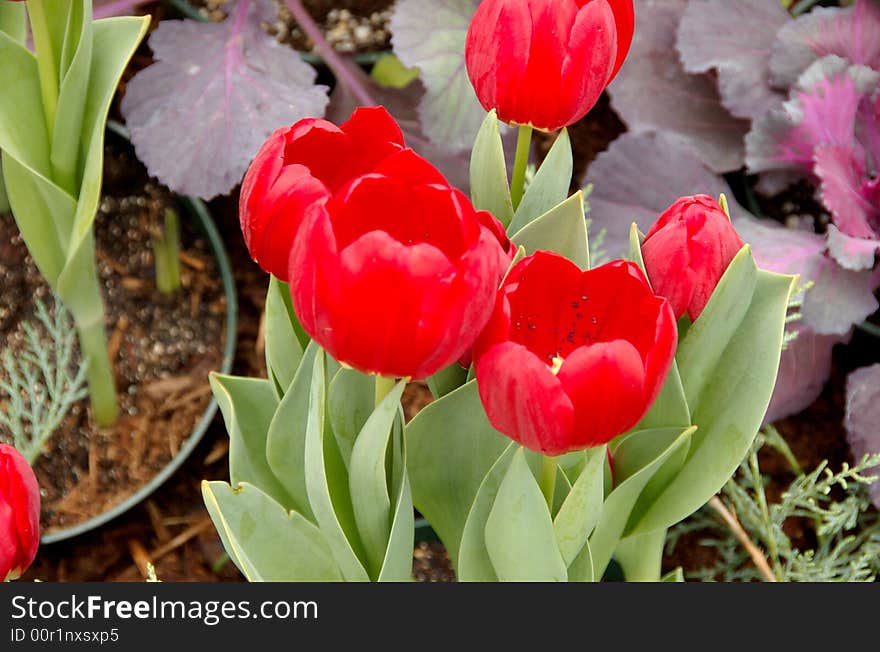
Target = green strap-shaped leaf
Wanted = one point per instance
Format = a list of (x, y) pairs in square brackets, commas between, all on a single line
[(265, 541), (700, 351), (397, 565), (286, 439), (248, 405), (619, 503), (676, 575), (283, 350), (368, 479), (451, 446), (581, 569), (327, 482), (76, 63), (351, 399), (562, 229), (472, 563), (447, 380), (549, 187), (490, 190), (582, 507), (519, 534), (114, 43), (13, 20), (732, 401)]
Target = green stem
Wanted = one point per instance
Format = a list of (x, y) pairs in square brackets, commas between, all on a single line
[(547, 481), (518, 181), (869, 328), (166, 250), (761, 497), (46, 61), (641, 557), (383, 387), (102, 388)]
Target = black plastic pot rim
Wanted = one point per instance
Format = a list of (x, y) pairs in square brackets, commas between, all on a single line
[(199, 212)]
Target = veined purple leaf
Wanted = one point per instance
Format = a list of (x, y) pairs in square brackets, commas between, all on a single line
[(822, 111), (804, 369), (652, 92), (852, 198), (430, 35), (863, 417), (633, 181), (839, 297), (852, 33), (735, 37), (217, 90)]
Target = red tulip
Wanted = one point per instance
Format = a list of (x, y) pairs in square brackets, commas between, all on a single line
[(298, 169), (571, 359), (395, 274), (19, 514), (545, 63), (687, 251)]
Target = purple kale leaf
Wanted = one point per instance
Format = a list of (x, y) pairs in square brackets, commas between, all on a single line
[(863, 417), (633, 181), (217, 90), (654, 93), (734, 37), (851, 33)]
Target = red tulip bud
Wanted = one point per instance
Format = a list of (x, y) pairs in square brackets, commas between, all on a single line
[(545, 63), (687, 251), (19, 514), (571, 359)]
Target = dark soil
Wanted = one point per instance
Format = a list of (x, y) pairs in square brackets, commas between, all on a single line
[(162, 348)]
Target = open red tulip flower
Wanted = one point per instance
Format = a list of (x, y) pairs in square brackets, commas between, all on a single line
[(396, 275), (688, 250), (571, 359), (544, 63), (19, 514), (296, 171)]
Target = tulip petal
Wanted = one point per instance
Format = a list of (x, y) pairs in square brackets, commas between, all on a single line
[(524, 400), (668, 263), (606, 384)]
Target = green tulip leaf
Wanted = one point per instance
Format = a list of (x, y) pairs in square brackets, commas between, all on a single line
[(562, 229), (676, 575), (472, 562), (582, 508), (700, 351), (13, 20), (731, 397), (550, 186), (519, 533), (581, 569), (450, 448), (447, 380), (635, 248), (327, 482), (397, 565), (265, 541), (351, 401), (490, 190), (286, 441), (620, 502), (389, 71), (284, 351), (368, 479), (248, 405)]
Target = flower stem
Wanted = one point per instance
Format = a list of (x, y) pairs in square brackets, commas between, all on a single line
[(102, 389), (547, 481), (383, 387), (166, 251), (518, 181)]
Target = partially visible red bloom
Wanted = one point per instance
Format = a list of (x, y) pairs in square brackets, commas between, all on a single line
[(19, 514), (688, 250), (571, 359), (298, 169), (546, 62), (396, 274)]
